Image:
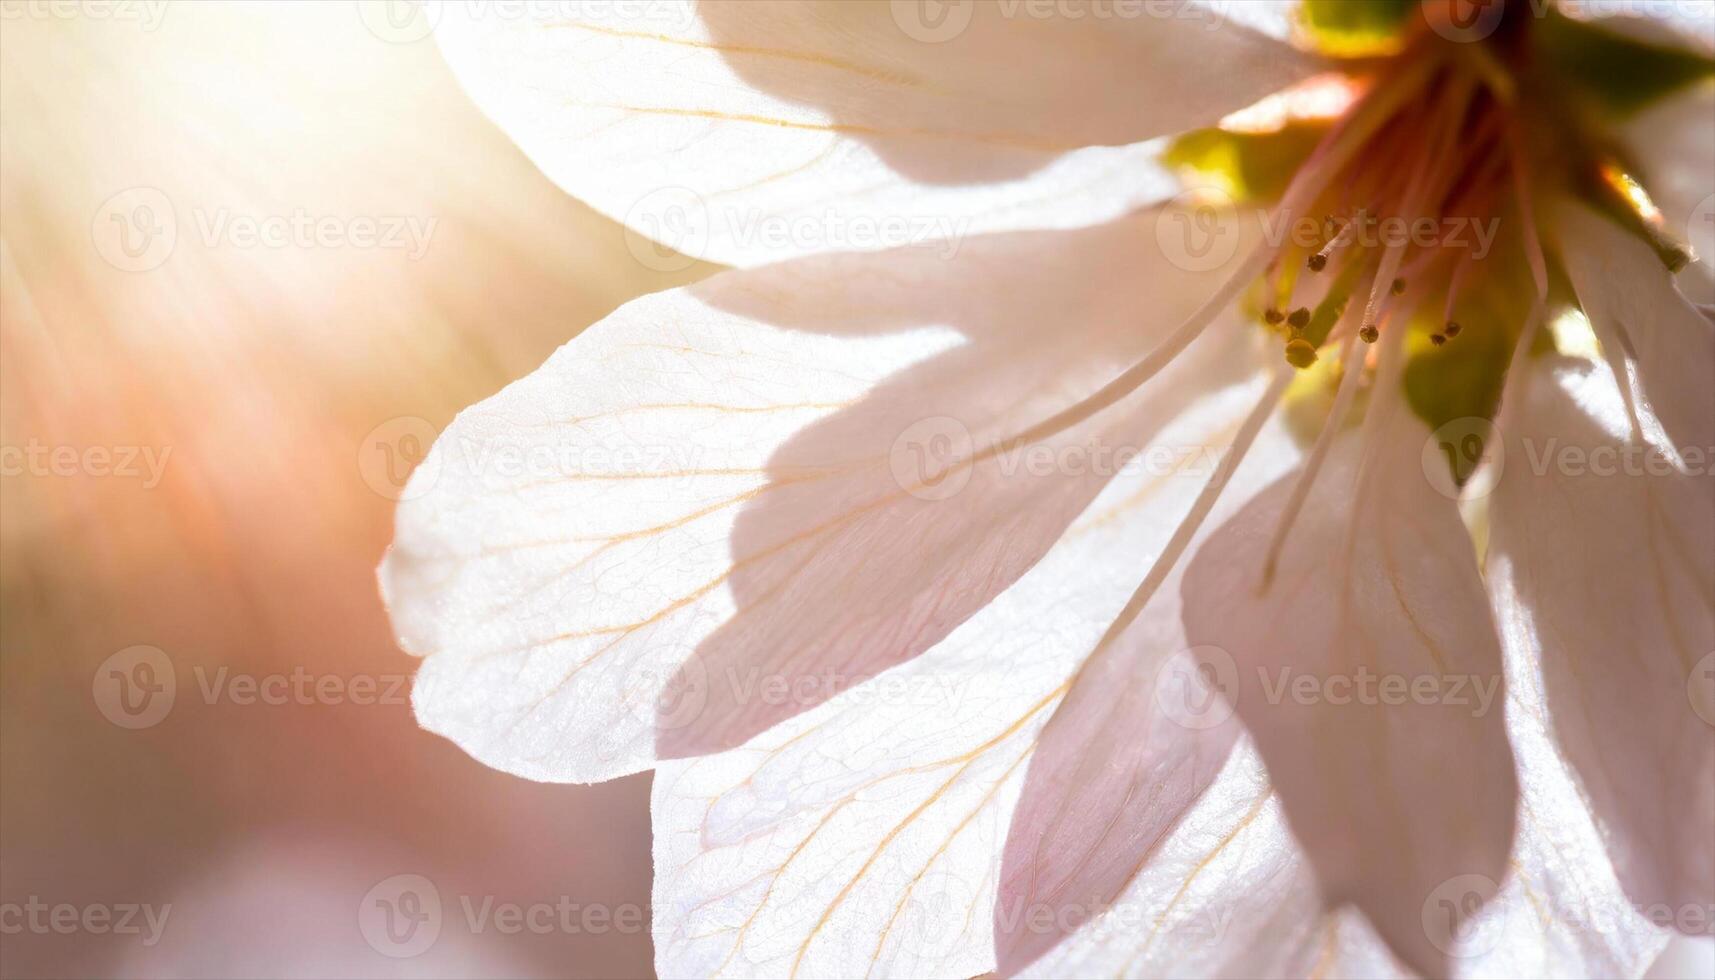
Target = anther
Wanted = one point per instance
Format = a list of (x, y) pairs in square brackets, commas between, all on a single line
[(1273, 317), (1300, 353), (1397, 287), (1300, 318), (1369, 333), (1317, 262), (1437, 339), (1452, 329)]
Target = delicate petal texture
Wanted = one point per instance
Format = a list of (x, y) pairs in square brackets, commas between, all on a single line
[(1629, 296), (1227, 894), (745, 132), (1605, 572), (1113, 775), (864, 838), (1362, 673), (730, 470), (1230, 894), (1675, 144)]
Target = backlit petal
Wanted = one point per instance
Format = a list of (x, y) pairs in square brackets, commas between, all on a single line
[(864, 838), (1603, 569), (746, 132), (732, 471), (1394, 793)]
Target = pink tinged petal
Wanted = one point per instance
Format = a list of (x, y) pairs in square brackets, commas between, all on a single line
[(1674, 143), (713, 471), (748, 132), (864, 837), (1631, 301), (854, 572), (1226, 894), (1139, 737), (1391, 801), (1113, 775), (1606, 576)]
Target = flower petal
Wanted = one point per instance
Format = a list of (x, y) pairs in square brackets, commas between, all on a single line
[(734, 470), (747, 132), (1630, 299), (1604, 561), (1366, 673), (1675, 145), (864, 837)]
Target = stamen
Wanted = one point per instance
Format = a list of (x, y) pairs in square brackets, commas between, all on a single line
[(1200, 508)]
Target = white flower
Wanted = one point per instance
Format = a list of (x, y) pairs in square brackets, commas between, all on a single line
[(848, 547)]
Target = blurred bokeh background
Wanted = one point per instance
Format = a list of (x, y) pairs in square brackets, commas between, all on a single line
[(251, 256)]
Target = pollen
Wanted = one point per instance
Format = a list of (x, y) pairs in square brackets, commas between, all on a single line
[(1300, 353)]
